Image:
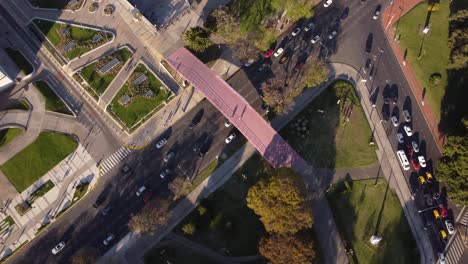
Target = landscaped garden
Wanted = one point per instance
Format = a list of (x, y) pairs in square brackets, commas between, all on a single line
[(57, 4), (8, 134), (98, 75), (40, 156), (26, 205), (71, 41), (142, 94), (332, 135), (362, 209), (427, 54), (17, 57), (53, 102)]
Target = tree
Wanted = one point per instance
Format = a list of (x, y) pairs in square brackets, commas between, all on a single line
[(86, 255), (297, 248), (294, 9), (197, 39), (244, 50), (453, 168), (458, 40), (262, 37), (189, 229), (225, 23), (178, 187), (279, 95), (154, 214), (315, 73), (281, 204)]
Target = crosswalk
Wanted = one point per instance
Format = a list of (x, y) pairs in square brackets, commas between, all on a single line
[(114, 159), (464, 219), (455, 251)]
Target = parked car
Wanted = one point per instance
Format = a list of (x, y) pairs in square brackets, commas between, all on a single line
[(386, 100), (450, 228), (436, 214), (249, 62), (421, 180), (268, 53), (344, 14), (140, 191), (429, 179), (415, 146), (422, 161), (227, 123), (309, 27), (315, 39), (278, 52), (263, 67), (377, 12), (169, 156), (230, 138), (408, 130), (58, 248), (296, 32), (406, 116), (400, 138), (164, 173), (443, 234), (283, 59), (394, 121), (108, 239), (328, 3), (441, 258), (161, 143), (443, 211), (332, 35), (415, 164), (106, 210)]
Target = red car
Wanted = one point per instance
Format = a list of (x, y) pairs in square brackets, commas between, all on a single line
[(443, 211), (268, 53), (415, 164)]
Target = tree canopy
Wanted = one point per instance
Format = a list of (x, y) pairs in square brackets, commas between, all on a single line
[(315, 73), (297, 248), (155, 213), (279, 95), (281, 204), (197, 39), (458, 40)]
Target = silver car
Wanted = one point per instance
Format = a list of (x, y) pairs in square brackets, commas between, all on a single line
[(169, 156), (332, 35), (415, 146), (108, 239), (394, 121), (58, 248)]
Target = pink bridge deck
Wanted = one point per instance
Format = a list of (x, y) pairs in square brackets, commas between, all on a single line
[(234, 107)]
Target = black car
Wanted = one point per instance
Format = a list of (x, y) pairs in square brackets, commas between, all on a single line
[(369, 41), (345, 14)]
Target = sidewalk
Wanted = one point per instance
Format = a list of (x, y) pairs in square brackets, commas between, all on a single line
[(390, 15)]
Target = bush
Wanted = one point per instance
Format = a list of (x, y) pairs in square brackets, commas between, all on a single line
[(202, 210), (189, 229), (435, 79)]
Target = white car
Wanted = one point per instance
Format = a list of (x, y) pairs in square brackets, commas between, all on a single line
[(308, 27), (394, 121), (164, 173), (328, 3), (408, 131), (315, 39), (296, 32), (332, 35), (376, 14), (168, 156), (278, 52), (108, 239), (406, 116), (422, 161), (58, 248), (227, 123), (161, 143), (415, 146), (441, 258), (141, 191), (400, 138), (230, 138), (450, 228)]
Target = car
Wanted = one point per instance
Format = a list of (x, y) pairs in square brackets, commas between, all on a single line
[(415, 146), (101, 199), (106, 210), (227, 123), (422, 180), (436, 214), (263, 67), (283, 59), (386, 100), (422, 161), (58, 248), (441, 258), (169, 156), (196, 147), (450, 228), (278, 52), (298, 67), (428, 199), (308, 27), (368, 63), (268, 53), (376, 14), (332, 35), (415, 164), (140, 191), (108, 239), (394, 121), (164, 173), (394, 99), (315, 39), (408, 131), (400, 138), (327, 3), (249, 62), (430, 178), (406, 116), (161, 143), (443, 234), (296, 32), (230, 138), (443, 211), (344, 14)]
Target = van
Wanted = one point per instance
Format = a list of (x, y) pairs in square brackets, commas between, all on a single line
[(141, 190), (403, 160)]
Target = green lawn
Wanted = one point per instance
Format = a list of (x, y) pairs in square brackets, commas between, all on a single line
[(140, 106), (20, 61), (356, 214), (326, 141), (175, 254), (42, 190), (21, 104), (8, 134), (100, 82), (49, 29), (53, 102), (435, 52), (37, 159)]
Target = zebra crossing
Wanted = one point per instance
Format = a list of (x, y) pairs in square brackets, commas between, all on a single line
[(114, 159), (464, 219), (455, 251)]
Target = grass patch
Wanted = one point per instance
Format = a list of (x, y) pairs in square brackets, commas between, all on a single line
[(251, 13), (205, 173), (53, 102), (174, 254), (40, 156), (434, 53), (8, 134), (80, 191), (43, 189), (23, 64), (325, 139), (356, 213), (140, 105), (100, 82)]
